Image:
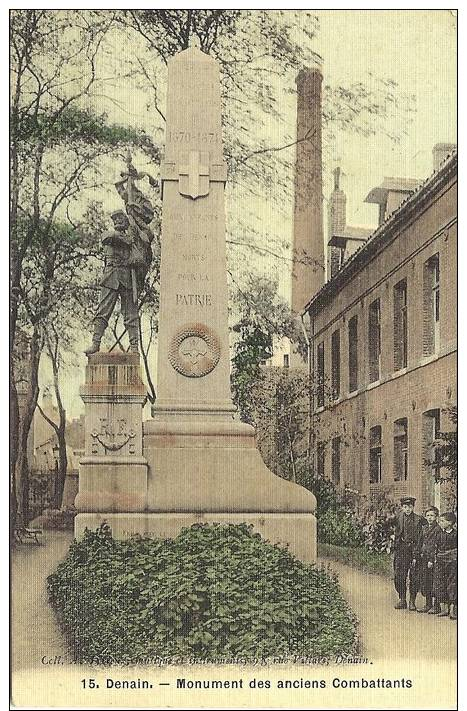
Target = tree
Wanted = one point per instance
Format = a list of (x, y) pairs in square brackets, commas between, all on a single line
[(57, 146), (52, 340), (280, 401), (263, 316), (444, 463), (260, 53)]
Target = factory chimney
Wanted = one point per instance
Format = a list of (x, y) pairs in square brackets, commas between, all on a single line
[(309, 265)]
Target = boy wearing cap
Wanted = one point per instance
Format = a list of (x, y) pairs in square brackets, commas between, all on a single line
[(407, 546), (445, 574), (430, 537)]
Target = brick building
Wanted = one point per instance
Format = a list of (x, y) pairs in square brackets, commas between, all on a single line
[(382, 336)]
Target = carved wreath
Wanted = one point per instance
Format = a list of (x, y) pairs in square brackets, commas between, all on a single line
[(194, 350)]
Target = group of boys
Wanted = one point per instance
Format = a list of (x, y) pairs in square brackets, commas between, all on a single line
[(425, 556)]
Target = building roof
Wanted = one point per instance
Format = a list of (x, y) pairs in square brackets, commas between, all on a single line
[(351, 232), (386, 231), (379, 194)]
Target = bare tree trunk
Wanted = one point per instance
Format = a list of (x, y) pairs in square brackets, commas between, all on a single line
[(53, 343), (292, 457), (21, 470), (144, 356), (62, 466), (14, 425)]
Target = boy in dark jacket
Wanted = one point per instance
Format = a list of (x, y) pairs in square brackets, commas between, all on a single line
[(407, 544), (445, 573), (430, 537)]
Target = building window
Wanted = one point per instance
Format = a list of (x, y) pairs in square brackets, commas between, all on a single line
[(286, 360), (374, 340), (353, 354), (431, 429), (336, 460), (320, 368), (336, 364), (400, 325), (431, 297), (320, 460), (401, 459), (375, 455)]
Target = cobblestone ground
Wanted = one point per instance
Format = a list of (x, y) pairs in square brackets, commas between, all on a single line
[(389, 633), (385, 632)]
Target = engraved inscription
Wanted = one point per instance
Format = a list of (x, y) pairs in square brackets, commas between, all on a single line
[(192, 237), (173, 216), (188, 136), (193, 277), (193, 299), (194, 257)]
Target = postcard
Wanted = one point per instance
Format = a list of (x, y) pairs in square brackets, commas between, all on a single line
[(233, 387)]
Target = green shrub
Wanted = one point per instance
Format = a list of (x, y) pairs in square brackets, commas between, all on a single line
[(362, 558), (339, 528), (215, 591)]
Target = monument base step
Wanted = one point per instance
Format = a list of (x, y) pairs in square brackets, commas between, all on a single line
[(296, 531), (209, 466)]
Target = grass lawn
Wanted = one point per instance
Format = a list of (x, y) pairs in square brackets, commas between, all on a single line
[(361, 558)]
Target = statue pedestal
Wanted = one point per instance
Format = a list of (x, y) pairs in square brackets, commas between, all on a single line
[(200, 469), (113, 473)]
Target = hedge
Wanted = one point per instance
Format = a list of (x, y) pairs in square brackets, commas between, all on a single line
[(215, 591)]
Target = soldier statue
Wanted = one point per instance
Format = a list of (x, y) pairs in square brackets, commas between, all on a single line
[(128, 257)]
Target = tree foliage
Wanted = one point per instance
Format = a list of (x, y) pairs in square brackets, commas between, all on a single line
[(58, 146), (263, 317), (446, 449)]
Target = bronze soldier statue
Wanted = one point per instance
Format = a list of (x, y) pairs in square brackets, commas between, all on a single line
[(128, 256)]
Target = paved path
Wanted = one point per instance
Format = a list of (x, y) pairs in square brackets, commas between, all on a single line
[(384, 632), (389, 633), (34, 630)]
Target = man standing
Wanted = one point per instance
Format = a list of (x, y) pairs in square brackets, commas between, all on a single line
[(407, 547)]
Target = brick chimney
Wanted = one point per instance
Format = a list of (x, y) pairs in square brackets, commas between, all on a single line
[(337, 221), (308, 277)]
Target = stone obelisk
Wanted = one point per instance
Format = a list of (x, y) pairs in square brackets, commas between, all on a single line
[(193, 346), (203, 463)]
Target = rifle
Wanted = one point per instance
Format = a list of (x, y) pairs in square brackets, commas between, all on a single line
[(130, 184)]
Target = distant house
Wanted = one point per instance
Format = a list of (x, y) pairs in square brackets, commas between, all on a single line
[(44, 457)]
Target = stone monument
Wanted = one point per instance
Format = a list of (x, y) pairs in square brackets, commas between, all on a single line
[(203, 463)]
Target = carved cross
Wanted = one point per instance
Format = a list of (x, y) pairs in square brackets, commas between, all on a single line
[(195, 170)]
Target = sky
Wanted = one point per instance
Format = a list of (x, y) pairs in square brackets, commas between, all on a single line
[(415, 48)]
